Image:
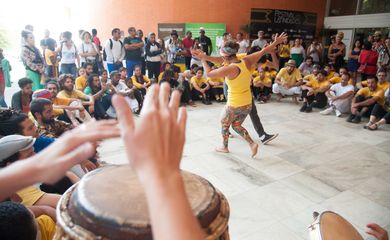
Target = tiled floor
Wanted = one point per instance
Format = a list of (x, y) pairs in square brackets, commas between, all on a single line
[(317, 163)]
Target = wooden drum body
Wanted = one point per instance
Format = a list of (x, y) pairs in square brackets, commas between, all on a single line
[(109, 203)]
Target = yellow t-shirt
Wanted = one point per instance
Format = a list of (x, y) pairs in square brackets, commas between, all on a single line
[(60, 102), (76, 94), (255, 73), (271, 72), (315, 84), (378, 92), (384, 85), (197, 81), (81, 83), (137, 84), (284, 51), (219, 80), (30, 195), (265, 81), (335, 80), (47, 227), (290, 79), (239, 91), (330, 75), (160, 76), (49, 53), (310, 77)]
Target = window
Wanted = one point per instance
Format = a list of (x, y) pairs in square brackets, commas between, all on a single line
[(341, 8), (374, 6)]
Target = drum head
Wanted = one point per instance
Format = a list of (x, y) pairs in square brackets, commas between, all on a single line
[(110, 202), (335, 227)]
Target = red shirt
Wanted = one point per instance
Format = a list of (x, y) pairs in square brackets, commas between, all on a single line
[(370, 58), (96, 40), (187, 43)]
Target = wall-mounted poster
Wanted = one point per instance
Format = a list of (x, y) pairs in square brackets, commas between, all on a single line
[(165, 29), (212, 30), (296, 24)]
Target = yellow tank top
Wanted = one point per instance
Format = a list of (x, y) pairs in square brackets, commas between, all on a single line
[(239, 91)]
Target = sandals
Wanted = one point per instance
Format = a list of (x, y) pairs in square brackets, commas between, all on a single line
[(373, 127)]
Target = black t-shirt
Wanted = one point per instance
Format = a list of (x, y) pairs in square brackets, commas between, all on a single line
[(205, 42), (134, 54)]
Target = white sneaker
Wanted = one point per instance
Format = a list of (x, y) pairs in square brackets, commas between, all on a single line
[(327, 111), (338, 113)]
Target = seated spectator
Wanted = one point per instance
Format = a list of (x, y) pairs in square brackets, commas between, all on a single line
[(365, 100), (104, 76), (185, 88), (330, 70), (380, 113), (262, 86), (200, 87), (169, 77), (121, 88), (216, 85), (306, 67), (42, 110), (101, 94), (140, 81), (288, 82), (123, 74), (67, 85), (382, 83), (337, 76), (19, 222), (66, 109), (313, 93), (81, 80), (14, 148), (313, 75), (21, 99), (165, 66), (340, 96), (136, 93)]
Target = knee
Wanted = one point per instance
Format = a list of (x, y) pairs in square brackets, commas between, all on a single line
[(275, 88)]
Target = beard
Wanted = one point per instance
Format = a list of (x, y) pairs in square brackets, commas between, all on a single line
[(69, 88)]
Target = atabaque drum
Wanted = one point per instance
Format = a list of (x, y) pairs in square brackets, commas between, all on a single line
[(110, 203), (331, 226)]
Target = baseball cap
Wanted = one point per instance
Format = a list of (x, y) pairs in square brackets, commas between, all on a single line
[(11, 144)]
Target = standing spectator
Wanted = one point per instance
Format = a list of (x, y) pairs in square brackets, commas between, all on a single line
[(244, 44), (153, 56), (297, 52), (5, 77), (51, 60), (225, 37), (260, 42), (32, 60), (368, 61), (378, 44), (43, 42), (353, 63), (315, 51), (114, 51), (88, 52), (133, 47), (172, 45), (336, 52), (284, 53), (194, 60), (96, 40), (21, 99), (69, 55), (140, 35), (205, 42), (384, 58), (188, 42)]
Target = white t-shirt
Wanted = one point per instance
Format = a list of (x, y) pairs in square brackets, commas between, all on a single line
[(298, 50), (340, 90), (244, 44), (116, 53), (68, 55), (87, 48), (259, 43)]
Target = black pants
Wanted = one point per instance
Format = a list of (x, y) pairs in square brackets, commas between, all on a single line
[(358, 99), (256, 120), (143, 66), (217, 91), (59, 187), (153, 69), (139, 97), (101, 106), (379, 112), (196, 95), (260, 92), (318, 101), (188, 62), (185, 92)]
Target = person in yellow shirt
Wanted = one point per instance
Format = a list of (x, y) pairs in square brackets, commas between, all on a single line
[(337, 76), (284, 53), (382, 83), (313, 93), (200, 87), (216, 85), (288, 82), (262, 86), (81, 80), (166, 66), (140, 81), (313, 75), (50, 55), (365, 99), (380, 114), (330, 71)]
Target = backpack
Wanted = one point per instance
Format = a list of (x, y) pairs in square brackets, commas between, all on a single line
[(111, 45)]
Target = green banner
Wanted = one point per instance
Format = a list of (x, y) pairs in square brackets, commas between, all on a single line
[(213, 30)]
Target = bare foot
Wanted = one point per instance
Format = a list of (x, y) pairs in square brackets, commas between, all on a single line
[(222, 149), (254, 148)]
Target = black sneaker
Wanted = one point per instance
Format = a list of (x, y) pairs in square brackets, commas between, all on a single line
[(269, 137), (351, 117), (309, 109), (303, 108), (206, 102), (357, 119)]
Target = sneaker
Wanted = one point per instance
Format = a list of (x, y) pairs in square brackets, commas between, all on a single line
[(357, 119), (206, 102), (269, 137), (350, 118), (309, 109), (303, 108), (327, 111), (338, 113)]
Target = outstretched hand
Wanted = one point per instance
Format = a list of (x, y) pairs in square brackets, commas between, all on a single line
[(154, 147), (199, 54), (377, 231), (280, 38)]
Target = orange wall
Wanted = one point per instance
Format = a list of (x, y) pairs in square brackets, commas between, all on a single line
[(146, 14)]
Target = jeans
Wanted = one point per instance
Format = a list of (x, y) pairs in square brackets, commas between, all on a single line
[(102, 105), (69, 69), (130, 64), (113, 67)]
